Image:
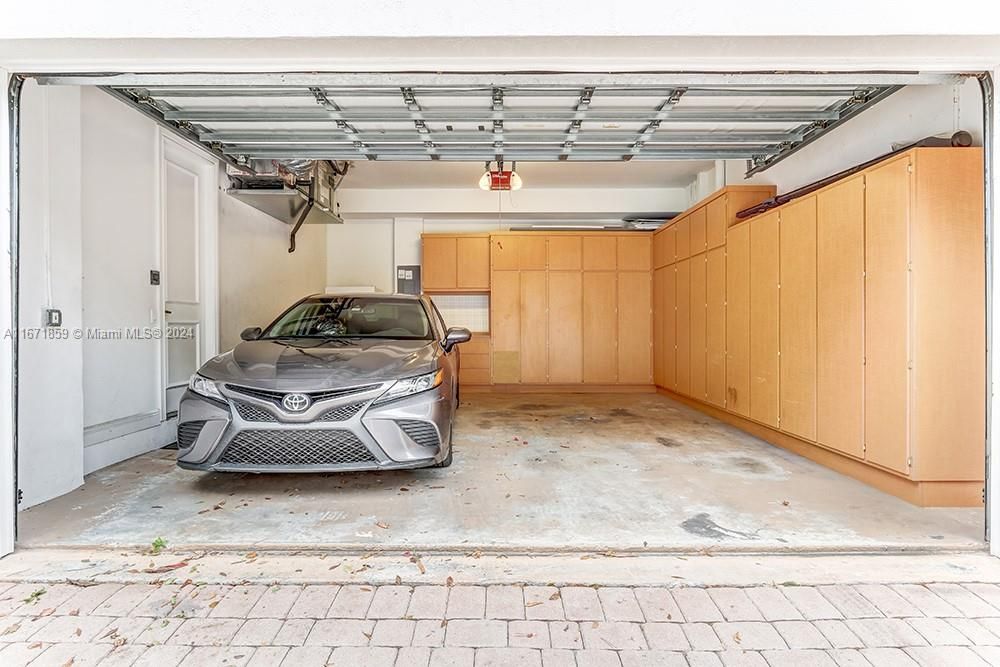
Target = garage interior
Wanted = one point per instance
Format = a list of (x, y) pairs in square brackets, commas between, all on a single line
[(669, 354)]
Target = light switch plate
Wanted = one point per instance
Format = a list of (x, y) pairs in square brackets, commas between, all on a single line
[(52, 317)]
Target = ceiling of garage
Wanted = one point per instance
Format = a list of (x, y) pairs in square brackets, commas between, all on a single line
[(524, 117)]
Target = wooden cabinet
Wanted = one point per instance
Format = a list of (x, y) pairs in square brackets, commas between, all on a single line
[(715, 326), (659, 321), (738, 319), (682, 238), (565, 327), (505, 326), (600, 253), (474, 360), (534, 319), (764, 319), (439, 263), (698, 231), (634, 327), (887, 329), (716, 221), (797, 317), (699, 327), (840, 330), (670, 327), (634, 253), (503, 252), (455, 263), (565, 253), (683, 327), (600, 324)]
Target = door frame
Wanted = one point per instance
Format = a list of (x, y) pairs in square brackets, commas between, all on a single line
[(206, 168)]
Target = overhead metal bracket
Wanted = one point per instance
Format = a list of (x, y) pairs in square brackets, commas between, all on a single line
[(302, 218)]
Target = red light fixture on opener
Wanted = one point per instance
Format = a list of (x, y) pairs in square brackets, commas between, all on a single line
[(500, 179)]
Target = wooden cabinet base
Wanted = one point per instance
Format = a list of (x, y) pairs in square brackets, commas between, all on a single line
[(562, 388), (923, 493)]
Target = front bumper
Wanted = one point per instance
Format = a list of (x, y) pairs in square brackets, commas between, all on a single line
[(348, 433)]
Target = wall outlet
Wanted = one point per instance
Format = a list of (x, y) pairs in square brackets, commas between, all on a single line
[(52, 317)]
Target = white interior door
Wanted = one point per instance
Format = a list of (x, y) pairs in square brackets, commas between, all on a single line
[(188, 206)]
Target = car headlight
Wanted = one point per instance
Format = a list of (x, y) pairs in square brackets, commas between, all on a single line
[(205, 387), (414, 385)]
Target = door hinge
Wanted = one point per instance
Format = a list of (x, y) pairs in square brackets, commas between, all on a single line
[(909, 461), (20, 496)]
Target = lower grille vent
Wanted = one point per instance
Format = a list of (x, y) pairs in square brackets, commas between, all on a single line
[(296, 448), (187, 433), (422, 433)]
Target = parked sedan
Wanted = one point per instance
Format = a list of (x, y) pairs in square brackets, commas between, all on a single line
[(347, 382)]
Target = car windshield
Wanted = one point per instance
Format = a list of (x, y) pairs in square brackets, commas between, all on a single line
[(353, 317)]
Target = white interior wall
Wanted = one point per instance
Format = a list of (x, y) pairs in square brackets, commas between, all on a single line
[(51, 371), (258, 277), (906, 116)]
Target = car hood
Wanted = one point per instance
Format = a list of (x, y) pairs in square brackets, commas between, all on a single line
[(309, 364)]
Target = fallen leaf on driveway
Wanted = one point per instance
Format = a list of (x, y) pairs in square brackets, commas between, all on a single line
[(163, 568)]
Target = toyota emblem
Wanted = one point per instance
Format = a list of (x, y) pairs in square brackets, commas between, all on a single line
[(295, 402)]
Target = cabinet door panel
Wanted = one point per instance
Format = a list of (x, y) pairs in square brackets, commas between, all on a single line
[(683, 295), (699, 325), (840, 324), (716, 221), (660, 250), (565, 253), (887, 206), (738, 319), (534, 353), (600, 253), (634, 253), (715, 330), (670, 327), (600, 327), (503, 252), (565, 323), (531, 251), (505, 326), (438, 263), (671, 244), (473, 262), (682, 230), (699, 240), (797, 314), (659, 303), (764, 319), (634, 327)]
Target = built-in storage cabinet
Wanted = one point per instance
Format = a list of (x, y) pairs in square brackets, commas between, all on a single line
[(455, 263), (474, 360), (853, 318)]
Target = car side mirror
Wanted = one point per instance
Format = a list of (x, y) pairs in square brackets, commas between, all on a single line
[(251, 333), (454, 336)]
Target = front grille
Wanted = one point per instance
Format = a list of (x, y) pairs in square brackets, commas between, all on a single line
[(253, 413), (343, 413), (187, 433), (422, 433), (296, 448), (276, 396)]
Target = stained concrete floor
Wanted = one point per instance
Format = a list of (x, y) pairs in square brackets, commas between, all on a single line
[(532, 473)]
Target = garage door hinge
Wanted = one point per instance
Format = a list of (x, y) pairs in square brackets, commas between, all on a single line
[(20, 496)]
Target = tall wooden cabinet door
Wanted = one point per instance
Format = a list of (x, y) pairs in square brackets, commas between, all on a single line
[(699, 239), (670, 327), (473, 262), (715, 329), (764, 319), (534, 326), (660, 250), (505, 326), (438, 265), (634, 252), (840, 323), (683, 327), (887, 212), (503, 252), (600, 253), (565, 253), (670, 245), (738, 319), (565, 322), (634, 327), (659, 303), (716, 219), (797, 314), (600, 327), (699, 327)]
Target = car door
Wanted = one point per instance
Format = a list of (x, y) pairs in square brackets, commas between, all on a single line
[(452, 359)]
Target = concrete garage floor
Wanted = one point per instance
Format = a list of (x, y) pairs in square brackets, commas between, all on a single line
[(532, 472)]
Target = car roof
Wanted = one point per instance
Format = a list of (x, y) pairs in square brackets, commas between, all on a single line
[(367, 295)]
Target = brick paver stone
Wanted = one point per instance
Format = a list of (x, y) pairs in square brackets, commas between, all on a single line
[(665, 636), (428, 602), (749, 635), (351, 602), (988, 592), (413, 656), (977, 630), (734, 604), (293, 632), (565, 634), (453, 657), (849, 602), (429, 632), (809, 601), (739, 658), (848, 657), (122, 602), (701, 636), (275, 602), (581, 604), (340, 632), (390, 602), (613, 635), (162, 656), (257, 632), (466, 602), (597, 658), (885, 632), (801, 635), (307, 656), (888, 601), (313, 602), (964, 600), (703, 659), (773, 604), (798, 658), (206, 631), (357, 656), (476, 633), (266, 656), (543, 603), (925, 600), (238, 602), (936, 656), (696, 605), (652, 659), (658, 605), (938, 632), (507, 657), (557, 657), (620, 604), (528, 634), (505, 602), (393, 632)]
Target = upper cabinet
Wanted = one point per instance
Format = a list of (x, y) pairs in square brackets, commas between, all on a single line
[(455, 263)]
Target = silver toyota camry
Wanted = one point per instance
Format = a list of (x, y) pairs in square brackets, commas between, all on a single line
[(347, 382)]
